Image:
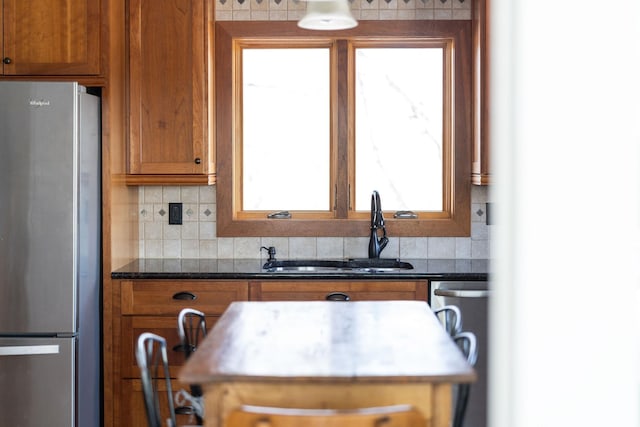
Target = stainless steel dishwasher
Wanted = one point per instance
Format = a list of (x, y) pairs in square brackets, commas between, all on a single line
[(472, 299)]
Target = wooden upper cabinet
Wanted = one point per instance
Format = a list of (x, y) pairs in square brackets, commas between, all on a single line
[(481, 172), (51, 37), (170, 96)]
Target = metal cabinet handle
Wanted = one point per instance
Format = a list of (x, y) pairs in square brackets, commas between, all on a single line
[(197, 160), (462, 293), (6, 60), (184, 296), (182, 348), (27, 350), (337, 296)]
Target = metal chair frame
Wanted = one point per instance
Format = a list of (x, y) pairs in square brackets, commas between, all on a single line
[(151, 355), (468, 344), (452, 321), (192, 327)]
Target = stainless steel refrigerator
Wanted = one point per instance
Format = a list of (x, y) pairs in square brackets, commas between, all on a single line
[(49, 255)]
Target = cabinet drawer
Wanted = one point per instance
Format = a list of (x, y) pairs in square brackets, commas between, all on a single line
[(323, 290), (166, 327), (155, 297)]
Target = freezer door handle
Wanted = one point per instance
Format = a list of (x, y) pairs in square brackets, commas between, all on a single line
[(461, 293), (28, 350)]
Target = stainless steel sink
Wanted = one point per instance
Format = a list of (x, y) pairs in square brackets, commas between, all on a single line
[(326, 266)]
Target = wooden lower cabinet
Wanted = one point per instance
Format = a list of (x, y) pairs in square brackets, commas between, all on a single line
[(133, 410), (347, 290), (133, 326), (137, 306), (152, 306)]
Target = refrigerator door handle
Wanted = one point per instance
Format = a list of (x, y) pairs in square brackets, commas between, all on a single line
[(27, 350), (461, 293)]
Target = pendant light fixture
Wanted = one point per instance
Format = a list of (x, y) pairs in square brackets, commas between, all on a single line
[(327, 15)]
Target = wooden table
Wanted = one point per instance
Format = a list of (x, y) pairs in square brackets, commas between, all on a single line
[(328, 354)]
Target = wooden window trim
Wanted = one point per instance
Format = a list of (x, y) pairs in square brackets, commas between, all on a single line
[(454, 221)]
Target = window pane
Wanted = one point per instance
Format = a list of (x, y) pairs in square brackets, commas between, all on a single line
[(285, 125), (399, 130)]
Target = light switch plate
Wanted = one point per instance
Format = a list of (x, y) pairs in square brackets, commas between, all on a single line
[(175, 213)]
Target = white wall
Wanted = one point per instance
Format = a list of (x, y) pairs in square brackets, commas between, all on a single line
[(566, 86)]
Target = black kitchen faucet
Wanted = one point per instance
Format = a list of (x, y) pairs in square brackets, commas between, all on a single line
[(376, 245)]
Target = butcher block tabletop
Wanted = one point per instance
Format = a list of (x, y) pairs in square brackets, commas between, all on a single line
[(328, 341)]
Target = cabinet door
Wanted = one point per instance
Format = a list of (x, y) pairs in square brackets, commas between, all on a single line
[(51, 37), (166, 327), (338, 290), (133, 410), (168, 87), (481, 171)]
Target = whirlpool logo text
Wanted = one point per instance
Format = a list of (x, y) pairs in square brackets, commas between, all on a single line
[(39, 103)]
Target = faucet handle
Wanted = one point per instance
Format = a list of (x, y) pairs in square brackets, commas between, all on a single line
[(383, 242)]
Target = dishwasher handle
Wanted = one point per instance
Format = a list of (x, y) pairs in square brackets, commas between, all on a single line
[(462, 293)]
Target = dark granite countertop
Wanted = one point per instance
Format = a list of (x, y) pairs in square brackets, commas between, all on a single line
[(251, 269)]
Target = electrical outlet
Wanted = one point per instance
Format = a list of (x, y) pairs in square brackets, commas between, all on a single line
[(175, 213)]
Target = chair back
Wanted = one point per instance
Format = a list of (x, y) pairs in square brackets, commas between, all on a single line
[(192, 327), (151, 355), (384, 416), (451, 319), (469, 347)]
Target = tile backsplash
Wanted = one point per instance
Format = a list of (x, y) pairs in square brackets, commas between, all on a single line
[(293, 10), (196, 237)]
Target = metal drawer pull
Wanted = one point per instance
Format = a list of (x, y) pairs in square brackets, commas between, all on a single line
[(462, 293), (27, 350), (337, 296), (184, 295)]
